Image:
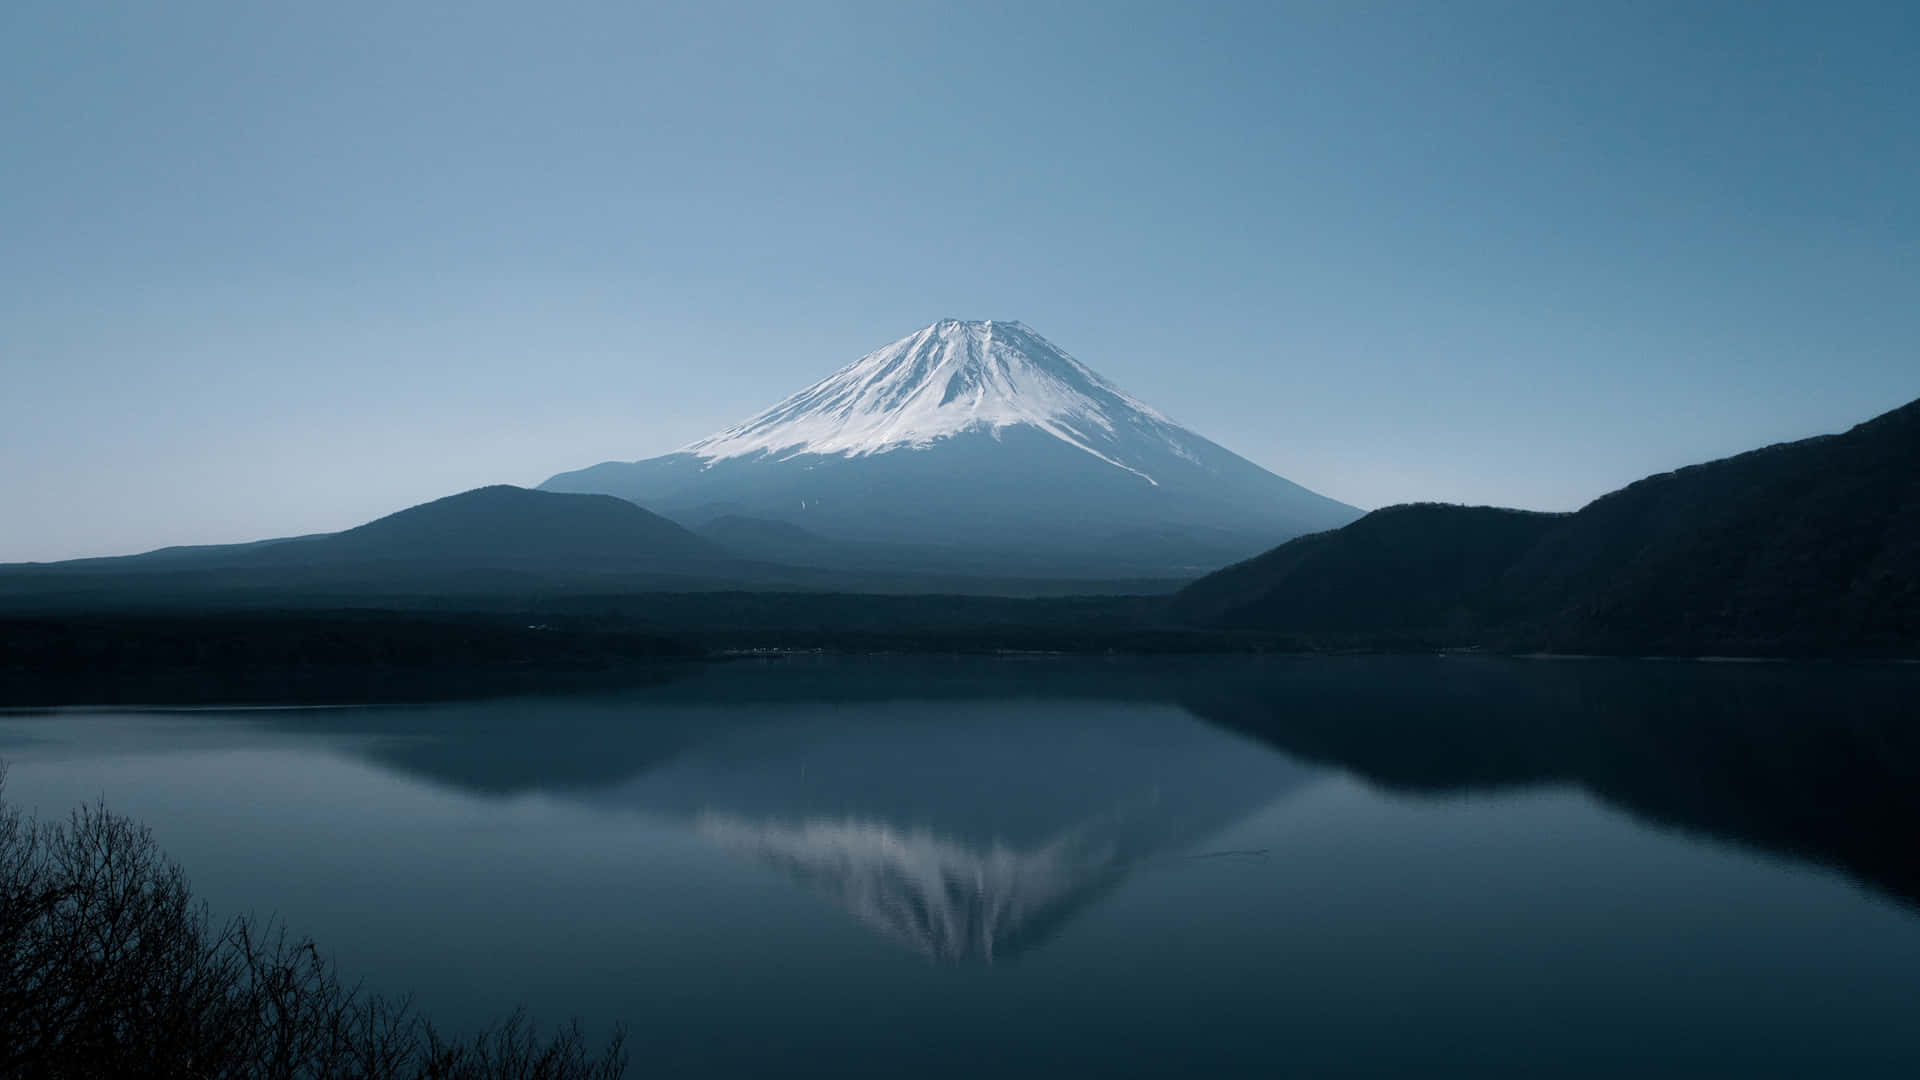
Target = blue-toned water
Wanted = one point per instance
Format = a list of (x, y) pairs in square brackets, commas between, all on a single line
[(1317, 867)]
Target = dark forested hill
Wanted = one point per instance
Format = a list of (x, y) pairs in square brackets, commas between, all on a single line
[(497, 528), (509, 527), (1807, 544), (1811, 546), (1420, 567), (510, 543)]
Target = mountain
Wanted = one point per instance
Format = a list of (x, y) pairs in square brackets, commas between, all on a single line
[(1805, 546), (1425, 567), (978, 447), (507, 545), (507, 532), (505, 527)]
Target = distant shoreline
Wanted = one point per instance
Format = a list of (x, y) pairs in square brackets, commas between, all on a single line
[(241, 658)]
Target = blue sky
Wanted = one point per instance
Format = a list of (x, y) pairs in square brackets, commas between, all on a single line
[(270, 268)]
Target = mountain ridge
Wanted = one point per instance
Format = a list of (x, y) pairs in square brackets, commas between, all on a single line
[(504, 541), (503, 526), (1811, 545)]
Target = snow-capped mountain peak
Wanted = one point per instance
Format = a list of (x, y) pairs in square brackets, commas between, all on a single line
[(971, 447), (948, 378)]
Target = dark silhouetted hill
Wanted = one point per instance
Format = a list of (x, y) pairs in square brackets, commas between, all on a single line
[(500, 529), (1804, 547), (501, 547), (504, 527), (1810, 545), (1424, 567)]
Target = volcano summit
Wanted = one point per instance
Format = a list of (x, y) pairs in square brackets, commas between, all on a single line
[(971, 446)]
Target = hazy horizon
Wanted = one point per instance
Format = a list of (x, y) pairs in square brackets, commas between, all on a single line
[(271, 272)]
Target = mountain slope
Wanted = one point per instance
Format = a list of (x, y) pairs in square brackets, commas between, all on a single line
[(507, 542), (949, 378), (486, 529), (1805, 546), (1424, 567), (990, 448), (503, 527), (1817, 539)]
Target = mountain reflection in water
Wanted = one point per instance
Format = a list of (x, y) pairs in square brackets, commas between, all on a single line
[(942, 898), (929, 800), (970, 866), (967, 833)]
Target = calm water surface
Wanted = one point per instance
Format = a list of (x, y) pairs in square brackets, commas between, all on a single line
[(1323, 867)]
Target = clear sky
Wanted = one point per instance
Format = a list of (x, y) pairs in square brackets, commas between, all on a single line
[(274, 268)]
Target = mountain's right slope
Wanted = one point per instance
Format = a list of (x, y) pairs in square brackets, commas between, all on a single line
[(1811, 546)]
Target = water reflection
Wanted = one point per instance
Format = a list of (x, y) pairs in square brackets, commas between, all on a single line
[(1817, 762), (972, 809), (1457, 853), (969, 818), (953, 900), (965, 833), (942, 898)]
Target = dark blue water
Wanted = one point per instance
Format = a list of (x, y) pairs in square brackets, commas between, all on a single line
[(1325, 867)]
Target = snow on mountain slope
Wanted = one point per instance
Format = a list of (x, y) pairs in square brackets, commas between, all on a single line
[(980, 447), (946, 379)]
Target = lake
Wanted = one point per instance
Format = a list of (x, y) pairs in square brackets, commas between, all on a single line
[(1366, 866)]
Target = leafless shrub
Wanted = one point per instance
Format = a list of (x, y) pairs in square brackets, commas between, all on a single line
[(109, 968)]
